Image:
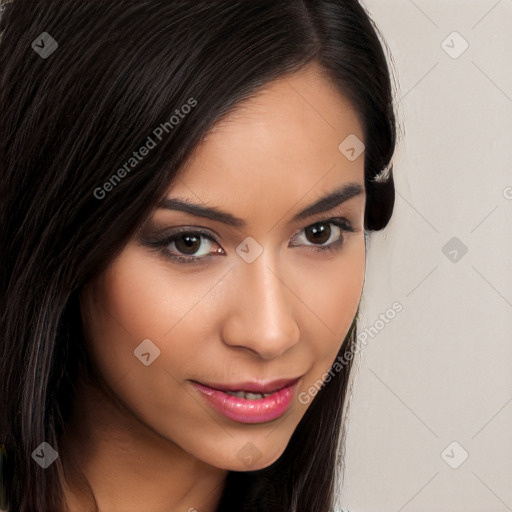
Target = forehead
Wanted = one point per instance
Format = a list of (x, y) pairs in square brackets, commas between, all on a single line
[(279, 147)]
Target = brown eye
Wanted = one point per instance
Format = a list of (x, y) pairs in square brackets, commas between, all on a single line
[(318, 233), (187, 243), (326, 235)]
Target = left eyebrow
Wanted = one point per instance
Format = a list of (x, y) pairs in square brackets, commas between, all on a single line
[(330, 201), (324, 204)]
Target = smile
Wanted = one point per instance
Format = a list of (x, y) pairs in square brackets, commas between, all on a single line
[(248, 406)]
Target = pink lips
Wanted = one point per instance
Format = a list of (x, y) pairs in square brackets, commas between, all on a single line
[(245, 410)]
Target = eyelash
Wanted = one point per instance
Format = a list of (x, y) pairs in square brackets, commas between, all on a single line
[(160, 244)]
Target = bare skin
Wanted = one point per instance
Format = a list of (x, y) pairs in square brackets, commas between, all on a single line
[(162, 447)]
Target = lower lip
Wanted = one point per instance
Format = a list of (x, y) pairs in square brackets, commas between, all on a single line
[(244, 410)]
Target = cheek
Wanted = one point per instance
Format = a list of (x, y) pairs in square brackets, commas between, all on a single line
[(331, 292), (333, 302), (137, 300)]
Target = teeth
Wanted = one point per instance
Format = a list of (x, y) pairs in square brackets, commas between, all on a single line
[(239, 394), (253, 396), (247, 395)]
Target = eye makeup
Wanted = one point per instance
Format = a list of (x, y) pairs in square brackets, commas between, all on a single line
[(160, 241)]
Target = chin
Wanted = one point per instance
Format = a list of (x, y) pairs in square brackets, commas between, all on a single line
[(247, 457)]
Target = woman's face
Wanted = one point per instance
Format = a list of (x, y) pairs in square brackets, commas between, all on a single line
[(270, 298)]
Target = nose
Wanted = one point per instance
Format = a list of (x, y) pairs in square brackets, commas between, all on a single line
[(261, 313)]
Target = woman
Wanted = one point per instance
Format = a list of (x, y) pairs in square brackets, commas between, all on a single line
[(186, 191)]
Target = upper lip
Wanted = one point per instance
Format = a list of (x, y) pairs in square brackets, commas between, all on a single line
[(254, 386)]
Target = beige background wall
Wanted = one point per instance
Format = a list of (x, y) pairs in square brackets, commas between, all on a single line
[(440, 371)]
